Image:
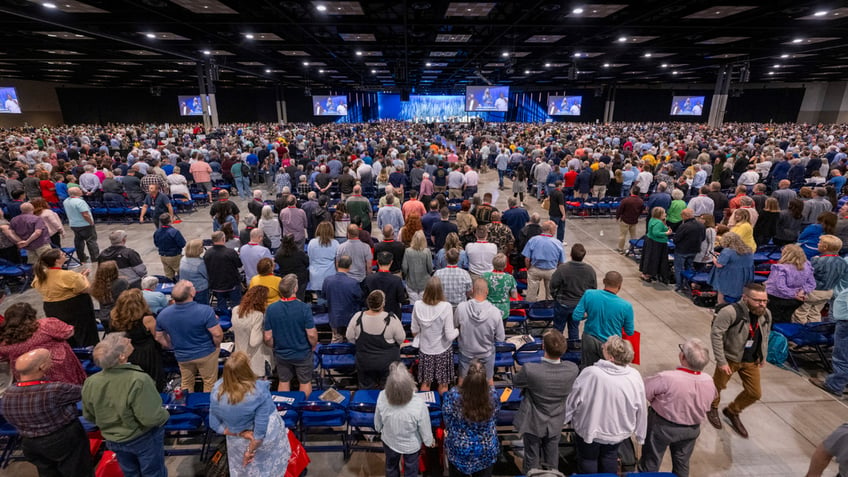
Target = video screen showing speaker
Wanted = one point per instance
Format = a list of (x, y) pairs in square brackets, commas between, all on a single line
[(687, 105), (329, 105), (9, 103), (190, 105), (565, 105), (486, 98)]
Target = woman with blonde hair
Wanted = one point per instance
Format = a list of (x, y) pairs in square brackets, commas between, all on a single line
[(417, 266), (789, 282), (732, 269), (809, 237), (132, 316), (742, 227), (322, 256), (241, 407), (705, 256), (433, 328), (193, 269), (451, 241), (654, 262), (248, 331)]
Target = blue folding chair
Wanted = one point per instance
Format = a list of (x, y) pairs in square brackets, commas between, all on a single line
[(529, 353), (324, 417), (541, 311), (182, 423), (360, 420), (288, 407), (810, 338), (339, 358), (10, 439), (504, 359)]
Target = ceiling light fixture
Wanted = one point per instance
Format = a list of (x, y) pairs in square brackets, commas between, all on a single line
[(305, 63), (664, 65), (775, 66), (577, 11), (820, 13), (577, 55), (526, 72), (48, 5), (547, 65), (249, 36), (797, 40), (150, 35), (505, 54), (207, 52), (784, 55), (674, 72), (320, 71), (647, 55), (622, 39), (373, 72), (321, 8), (771, 72), (606, 65), (428, 64), (359, 53), (268, 70)]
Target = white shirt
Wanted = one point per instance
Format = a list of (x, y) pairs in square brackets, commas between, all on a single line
[(404, 428), (480, 255)]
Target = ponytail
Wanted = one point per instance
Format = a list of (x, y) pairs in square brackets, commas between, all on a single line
[(45, 261)]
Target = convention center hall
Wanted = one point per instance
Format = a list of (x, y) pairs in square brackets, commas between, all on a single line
[(332, 238)]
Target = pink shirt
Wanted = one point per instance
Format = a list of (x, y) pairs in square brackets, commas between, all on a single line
[(681, 396), (201, 171)]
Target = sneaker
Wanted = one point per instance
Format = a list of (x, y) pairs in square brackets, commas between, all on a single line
[(735, 422), (712, 416), (819, 383)]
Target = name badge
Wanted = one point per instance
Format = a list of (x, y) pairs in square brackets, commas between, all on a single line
[(749, 344)]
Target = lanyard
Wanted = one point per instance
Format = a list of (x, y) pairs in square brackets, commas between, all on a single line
[(289, 299), (752, 330), (685, 370), (452, 266), (24, 384), (546, 235)]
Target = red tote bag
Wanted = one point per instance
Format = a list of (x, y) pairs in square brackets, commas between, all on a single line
[(299, 459), (634, 340)]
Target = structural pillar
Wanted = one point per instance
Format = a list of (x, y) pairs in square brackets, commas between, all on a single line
[(609, 104), (206, 76), (722, 88)]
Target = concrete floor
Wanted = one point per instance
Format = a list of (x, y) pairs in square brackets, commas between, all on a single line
[(785, 426)]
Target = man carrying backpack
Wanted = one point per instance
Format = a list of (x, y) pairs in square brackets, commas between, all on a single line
[(740, 344)]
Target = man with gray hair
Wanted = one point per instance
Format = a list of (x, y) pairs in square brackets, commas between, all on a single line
[(359, 253), (81, 221), (192, 330), (481, 325), (123, 402), (390, 214), (680, 400), (130, 264)]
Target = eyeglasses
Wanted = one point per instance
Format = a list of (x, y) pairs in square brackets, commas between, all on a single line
[(681, 347)]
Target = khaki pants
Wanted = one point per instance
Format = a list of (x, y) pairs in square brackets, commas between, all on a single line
[(171, 265), (751, 390), (207, 367), (455, 194), (599, 191), (811, 309), (623, 230), (539, 284)]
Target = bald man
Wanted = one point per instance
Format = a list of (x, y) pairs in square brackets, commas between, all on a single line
[(30, 232), (45, 414)]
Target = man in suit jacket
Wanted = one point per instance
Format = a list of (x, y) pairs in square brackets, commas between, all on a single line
[(541, 415)]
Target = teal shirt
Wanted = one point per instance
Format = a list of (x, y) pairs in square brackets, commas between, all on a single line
[(605, 313), (657, 230), (74, 208)]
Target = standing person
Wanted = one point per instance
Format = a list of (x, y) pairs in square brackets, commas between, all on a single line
[(740, 344), (502, 286), (169, 242), (130, 264), (687, 244), (45, 414), (222, 264), (241, 407), (359, 252), (568, 284), (201, 171), (390, 283), (82, 223), (542, 254), (455, 280), (540, 417), (733, 268), (601, 429), (606, 314), (680, 400), (30, 232), (51, 219), (65, 295), (433, 328), (627, 215), (344, 297), (832, 446), (481, 326), (193, 269), (556, 210), (193, 332), (654, 262), (132, 316), (294, 222), (290, 332), (480, 253), (123, 402), (790, 281), (831, 274), (403, 421), (378, 335), (248, 319), (417, 266), (322, 256), (252, 252), (158, 204), (469, 411)]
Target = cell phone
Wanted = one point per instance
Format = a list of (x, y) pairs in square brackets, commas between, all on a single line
[(505, 394)]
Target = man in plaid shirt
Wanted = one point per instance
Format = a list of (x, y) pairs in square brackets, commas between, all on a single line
[(456, 282), (45, 414)]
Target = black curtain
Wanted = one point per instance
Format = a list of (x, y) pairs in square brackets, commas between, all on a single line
[(765, 105)]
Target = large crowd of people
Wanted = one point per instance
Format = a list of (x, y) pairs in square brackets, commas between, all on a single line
[(371, 220)]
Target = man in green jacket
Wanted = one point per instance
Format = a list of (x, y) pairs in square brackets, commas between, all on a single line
[(129, 413)]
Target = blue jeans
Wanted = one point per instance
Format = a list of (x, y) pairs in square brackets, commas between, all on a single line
[(227, 300), (682, 261), (595, 457), (202, 297), (839, 379), (243, 186), (563, 317), (560, 227), (142, 456), (501, 174)]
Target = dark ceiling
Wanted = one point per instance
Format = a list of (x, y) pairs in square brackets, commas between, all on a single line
[(425, 45)]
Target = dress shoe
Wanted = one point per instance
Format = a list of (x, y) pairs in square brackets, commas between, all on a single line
[(735, 422), (819, 383), (712, 416)]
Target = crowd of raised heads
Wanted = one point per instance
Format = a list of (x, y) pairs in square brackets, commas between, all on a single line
[(450, 288)]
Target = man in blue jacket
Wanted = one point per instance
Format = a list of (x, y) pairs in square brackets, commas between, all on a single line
[(170, 242)]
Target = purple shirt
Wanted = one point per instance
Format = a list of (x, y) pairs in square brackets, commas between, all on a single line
[(25, 225), (294, 223), (680, 396), (785, 280)]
